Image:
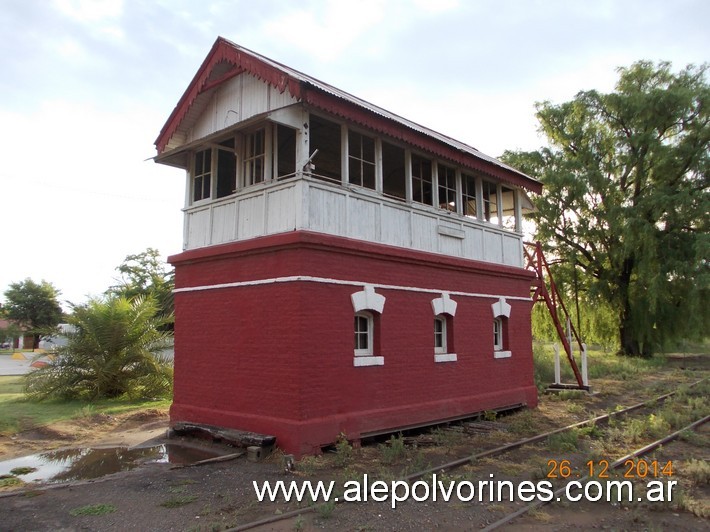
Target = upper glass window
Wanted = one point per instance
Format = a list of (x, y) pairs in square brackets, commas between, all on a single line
[(361, 160), (490, 202), (421, 180), (440, 334), (254, 156), (468, 195), (202, 175), (363, 333), (447, 188)]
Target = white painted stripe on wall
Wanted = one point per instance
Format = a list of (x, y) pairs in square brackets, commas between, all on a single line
[(325, 280)]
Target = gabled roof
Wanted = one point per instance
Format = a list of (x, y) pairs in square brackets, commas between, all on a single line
[(227, 60)]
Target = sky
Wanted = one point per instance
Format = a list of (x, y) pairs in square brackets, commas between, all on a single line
[(86, 86)]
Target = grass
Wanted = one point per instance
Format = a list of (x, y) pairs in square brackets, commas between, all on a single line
[(177, 502), (7, 482), (93, 509), (17, 413), (601, 365)]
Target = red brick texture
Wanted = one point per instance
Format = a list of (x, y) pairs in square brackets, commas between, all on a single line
[(277, 358)]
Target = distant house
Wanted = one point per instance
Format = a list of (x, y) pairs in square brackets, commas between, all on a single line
[(17, 337), (58, 340), (344, 270)]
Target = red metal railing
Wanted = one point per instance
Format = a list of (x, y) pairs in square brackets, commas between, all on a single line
[(536, 262)]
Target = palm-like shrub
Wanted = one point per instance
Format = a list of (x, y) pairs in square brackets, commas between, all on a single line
[(115, 351)]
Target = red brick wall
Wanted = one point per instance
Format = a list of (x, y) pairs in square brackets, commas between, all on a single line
[(277, 358)]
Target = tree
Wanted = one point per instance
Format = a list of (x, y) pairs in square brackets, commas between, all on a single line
[(115, 350), (34, 307), (627, 198), (146, 275)]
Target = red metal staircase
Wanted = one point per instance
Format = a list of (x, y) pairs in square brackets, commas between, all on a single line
[(545, 289)]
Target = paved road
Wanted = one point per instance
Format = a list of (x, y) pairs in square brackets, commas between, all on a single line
[(11, 366)]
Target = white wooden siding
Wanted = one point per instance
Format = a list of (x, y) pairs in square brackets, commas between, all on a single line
[(304, 203), (238, 99)]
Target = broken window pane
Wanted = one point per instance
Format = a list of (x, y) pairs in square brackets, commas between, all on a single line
[(226, 172), (490, 202), (325, 137), (286, 153), (468, 193), (394, 176)]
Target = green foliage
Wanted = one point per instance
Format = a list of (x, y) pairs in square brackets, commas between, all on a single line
[(34, 307), (10, 332), (394, 450), (325, 510), (115, 351), (17, 413), (178, 501), (93, 509), (7, 482), (17, 471), (146, 275), (626, 200), (698, 471), (343, 451), (596, 321), (490, 415), (561, 442)]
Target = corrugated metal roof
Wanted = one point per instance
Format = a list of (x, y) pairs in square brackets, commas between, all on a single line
[(299, 84), (320, 85)]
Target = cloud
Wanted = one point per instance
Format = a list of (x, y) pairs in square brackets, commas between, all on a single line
[(327, 29), (79, 196), (90, 11)]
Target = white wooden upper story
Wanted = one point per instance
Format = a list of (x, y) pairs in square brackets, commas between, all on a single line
[(262, 160)]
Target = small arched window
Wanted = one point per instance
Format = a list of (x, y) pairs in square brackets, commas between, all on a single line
[(498, 343), (440, 334), (364, 333)]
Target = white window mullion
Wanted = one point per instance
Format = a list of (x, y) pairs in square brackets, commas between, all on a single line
[(499, 203), (434, 184), (267, 152), (480, 214), (379, 187), (408, 175), (345, 155)]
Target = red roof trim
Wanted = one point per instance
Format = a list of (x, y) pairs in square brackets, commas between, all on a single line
[(222, 50), (338, 103), (345, 109)]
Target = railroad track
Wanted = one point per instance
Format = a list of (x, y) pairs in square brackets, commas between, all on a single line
[(466, 460)]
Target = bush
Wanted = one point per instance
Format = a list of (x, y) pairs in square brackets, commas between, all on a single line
[(115, 351)]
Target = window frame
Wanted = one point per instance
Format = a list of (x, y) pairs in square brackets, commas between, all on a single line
[(469, 195), (369, 331), (250, 157), (446, 183), (358, 161), (205, 176), (422, 186), (440, 335), (498, 334), (490, 212)]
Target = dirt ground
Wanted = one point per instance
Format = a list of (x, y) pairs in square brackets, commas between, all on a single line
[(218, 496)]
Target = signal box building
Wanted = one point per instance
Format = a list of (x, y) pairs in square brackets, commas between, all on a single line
[(344, 270)]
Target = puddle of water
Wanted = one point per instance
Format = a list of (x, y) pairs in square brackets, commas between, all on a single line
[(87, 463)]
